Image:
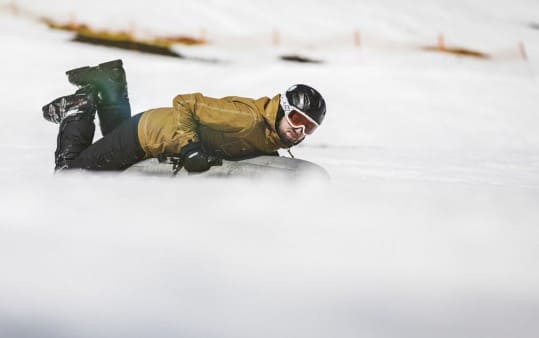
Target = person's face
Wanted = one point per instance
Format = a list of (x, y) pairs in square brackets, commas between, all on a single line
[(289, 134)]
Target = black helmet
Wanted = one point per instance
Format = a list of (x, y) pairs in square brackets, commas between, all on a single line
[(308, 100)]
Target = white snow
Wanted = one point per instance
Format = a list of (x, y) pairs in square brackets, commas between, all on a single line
[(429, 227)]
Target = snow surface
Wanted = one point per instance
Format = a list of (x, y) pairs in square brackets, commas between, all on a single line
[(429, 227)]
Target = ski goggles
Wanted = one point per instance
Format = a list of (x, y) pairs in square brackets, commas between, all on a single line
[(297, 118)]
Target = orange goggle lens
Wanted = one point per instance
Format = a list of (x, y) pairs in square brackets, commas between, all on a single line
[(298, 119)]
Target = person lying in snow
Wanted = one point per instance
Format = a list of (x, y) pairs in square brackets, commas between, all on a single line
[(198, 130)]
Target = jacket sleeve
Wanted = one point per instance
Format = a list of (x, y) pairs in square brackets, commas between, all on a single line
[(225, 115)]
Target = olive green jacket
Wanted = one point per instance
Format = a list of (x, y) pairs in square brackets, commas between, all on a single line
[(230, 127)]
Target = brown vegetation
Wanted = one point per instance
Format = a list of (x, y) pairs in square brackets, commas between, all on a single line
[(123, 39), (298, 58), (458, 51)]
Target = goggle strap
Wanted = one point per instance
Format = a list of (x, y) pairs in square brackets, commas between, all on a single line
[(289, 152)]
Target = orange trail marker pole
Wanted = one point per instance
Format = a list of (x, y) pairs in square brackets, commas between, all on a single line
[(357, 38), (276, 39), (12, 6), (441, 42), (72, 21), (132, 28), (524, 55), (522, 50), (203, 34)]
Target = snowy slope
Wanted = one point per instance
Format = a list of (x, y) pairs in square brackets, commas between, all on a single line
[(428, 228)]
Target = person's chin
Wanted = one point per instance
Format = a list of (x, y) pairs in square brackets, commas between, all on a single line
[(294, 141), (286, 141)]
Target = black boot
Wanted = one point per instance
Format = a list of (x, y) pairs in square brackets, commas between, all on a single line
[(75, 113), (83, 102), (110, 82), (75, 135)]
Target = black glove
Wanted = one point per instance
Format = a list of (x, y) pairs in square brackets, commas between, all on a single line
[(195, 158)]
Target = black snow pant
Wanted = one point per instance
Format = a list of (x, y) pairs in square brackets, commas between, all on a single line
[(117, 150)]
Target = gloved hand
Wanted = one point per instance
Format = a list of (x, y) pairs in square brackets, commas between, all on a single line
[(195, 158)]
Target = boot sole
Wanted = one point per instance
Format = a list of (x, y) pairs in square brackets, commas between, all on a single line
[(111, 64), (75, 75)]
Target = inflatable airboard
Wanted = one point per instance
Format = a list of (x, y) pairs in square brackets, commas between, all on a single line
[(262, 166)]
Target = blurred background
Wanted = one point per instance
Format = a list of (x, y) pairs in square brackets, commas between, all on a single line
[(428, 226)]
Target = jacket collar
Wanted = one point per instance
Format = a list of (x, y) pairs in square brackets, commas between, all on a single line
[(270, 117)]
